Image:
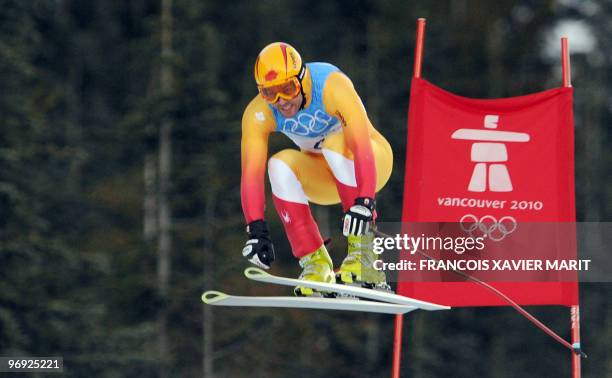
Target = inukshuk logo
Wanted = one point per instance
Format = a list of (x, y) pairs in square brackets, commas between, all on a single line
[(490, 155)]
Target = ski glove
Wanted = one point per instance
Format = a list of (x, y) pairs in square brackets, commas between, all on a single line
[(357, 219), (259, 249)]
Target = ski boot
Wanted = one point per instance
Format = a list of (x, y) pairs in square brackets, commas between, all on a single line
[(317, 266), (357, 268)]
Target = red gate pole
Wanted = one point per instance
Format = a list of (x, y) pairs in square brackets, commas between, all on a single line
[(418, 50), (397, 345), (574, 310), (399, 318), (565, 63), (575, 318)]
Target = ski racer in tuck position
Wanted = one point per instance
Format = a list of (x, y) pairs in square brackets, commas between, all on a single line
[(342, 159)]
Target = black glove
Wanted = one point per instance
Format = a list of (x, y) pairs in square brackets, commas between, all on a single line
[(357, 219), (259, 249)]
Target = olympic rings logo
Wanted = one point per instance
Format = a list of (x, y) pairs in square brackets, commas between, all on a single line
[(306, 124), (489, 226)]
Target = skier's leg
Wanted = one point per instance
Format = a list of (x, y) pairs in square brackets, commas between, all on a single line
[(358, 265), (297, 177)]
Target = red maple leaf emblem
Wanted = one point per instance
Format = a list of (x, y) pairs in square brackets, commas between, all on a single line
[(271, 75)]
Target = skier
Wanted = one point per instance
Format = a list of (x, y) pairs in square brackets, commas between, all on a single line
[(342, 158)]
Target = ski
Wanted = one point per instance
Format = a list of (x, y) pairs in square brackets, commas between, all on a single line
[(260, 275), (217, 298)]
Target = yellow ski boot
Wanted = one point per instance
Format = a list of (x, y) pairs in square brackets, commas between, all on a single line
[(358, 266), (317, 266)]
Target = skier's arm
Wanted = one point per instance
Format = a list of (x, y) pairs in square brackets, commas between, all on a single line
[(257, 124), (342, 101)]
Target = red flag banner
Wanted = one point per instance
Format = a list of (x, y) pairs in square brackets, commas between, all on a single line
[(502, 160)]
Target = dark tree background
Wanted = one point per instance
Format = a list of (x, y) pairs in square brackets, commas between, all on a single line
[(119, 181)]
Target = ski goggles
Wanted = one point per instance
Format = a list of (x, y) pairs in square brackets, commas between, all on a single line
[(287, 90)]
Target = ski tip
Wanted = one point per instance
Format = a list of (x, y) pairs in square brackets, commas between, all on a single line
[(437, 307), (255, 273), (211, 297)]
